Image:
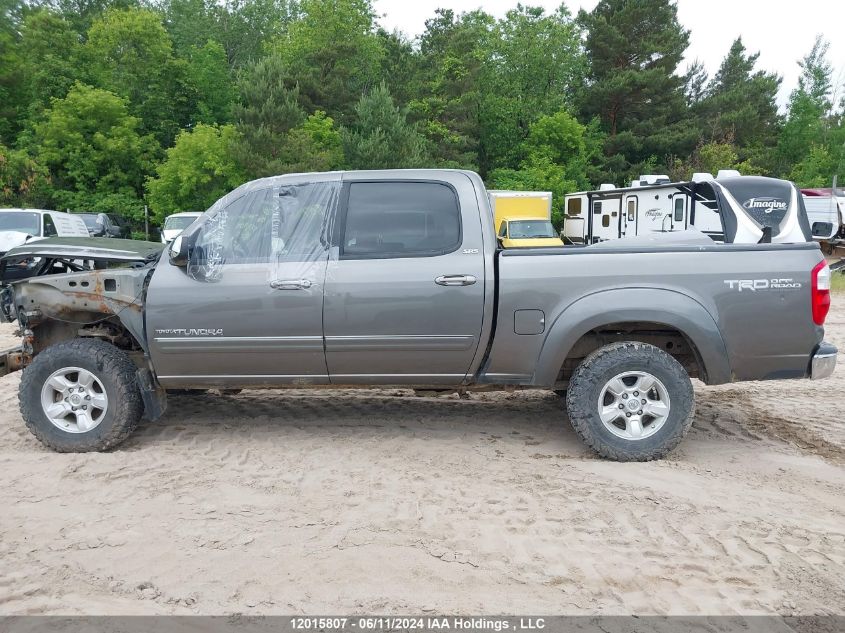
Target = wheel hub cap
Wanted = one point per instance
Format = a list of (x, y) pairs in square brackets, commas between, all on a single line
[(634, 405), (74, 400)]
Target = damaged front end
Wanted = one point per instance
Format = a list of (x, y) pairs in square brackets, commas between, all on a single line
[(79, 287)]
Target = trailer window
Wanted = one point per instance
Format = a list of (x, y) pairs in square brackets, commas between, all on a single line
[(632, 210), (596, 208), (605, 221), (573, 207), (679, 209)]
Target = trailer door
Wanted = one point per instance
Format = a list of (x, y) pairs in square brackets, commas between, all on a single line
[(629, 216)]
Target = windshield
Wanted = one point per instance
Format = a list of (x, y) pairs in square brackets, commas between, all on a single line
[(178, 222), (531, 228), (23, 221)]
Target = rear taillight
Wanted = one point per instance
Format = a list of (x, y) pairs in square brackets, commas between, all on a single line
[(821, 292)]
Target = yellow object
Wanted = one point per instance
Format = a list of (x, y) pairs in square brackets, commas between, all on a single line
[(523, 218)]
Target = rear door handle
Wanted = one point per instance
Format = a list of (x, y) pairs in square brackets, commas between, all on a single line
[(290, 284), (455, 280)]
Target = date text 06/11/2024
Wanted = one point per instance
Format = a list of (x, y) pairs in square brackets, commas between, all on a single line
[(433, 623)]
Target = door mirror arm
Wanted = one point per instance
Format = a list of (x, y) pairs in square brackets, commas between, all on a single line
[(178, 251)]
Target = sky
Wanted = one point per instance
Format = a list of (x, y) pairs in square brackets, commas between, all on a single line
[(782, 31)]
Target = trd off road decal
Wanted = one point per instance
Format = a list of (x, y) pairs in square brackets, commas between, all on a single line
[(762, 284)]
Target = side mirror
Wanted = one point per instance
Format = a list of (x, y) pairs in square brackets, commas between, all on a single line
[(179, 252)]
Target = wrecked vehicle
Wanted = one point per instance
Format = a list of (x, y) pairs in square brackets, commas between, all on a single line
[(395, 278)]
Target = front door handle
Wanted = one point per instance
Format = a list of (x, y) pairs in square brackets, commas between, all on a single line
[(455, 280), (290, 284)]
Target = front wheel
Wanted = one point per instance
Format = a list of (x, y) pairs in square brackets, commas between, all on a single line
[(630, 401), (80, 396)]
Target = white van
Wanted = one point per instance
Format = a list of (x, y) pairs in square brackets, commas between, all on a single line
[(176, 223), (18, 226)]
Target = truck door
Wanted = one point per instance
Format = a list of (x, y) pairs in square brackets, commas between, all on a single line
[(629, 219), (405, 285), (248, 308)]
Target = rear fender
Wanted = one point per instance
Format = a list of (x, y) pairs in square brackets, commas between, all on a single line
[(654, 305)]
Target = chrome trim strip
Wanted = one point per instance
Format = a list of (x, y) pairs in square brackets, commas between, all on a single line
[(400, 342), (170, 345)]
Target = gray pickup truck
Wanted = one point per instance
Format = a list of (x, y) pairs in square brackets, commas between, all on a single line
[(396, 278)]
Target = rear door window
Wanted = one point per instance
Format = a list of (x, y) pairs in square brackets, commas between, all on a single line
[(400, 219)]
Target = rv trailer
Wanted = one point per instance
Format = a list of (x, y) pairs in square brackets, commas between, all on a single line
[(729, 208), (825, 210)]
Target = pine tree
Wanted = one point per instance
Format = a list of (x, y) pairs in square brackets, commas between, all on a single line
[(740, 107), (808, 119), (634, 48), (266, 113), (381, 137)]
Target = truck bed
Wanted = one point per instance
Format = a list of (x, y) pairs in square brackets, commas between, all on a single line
[(743, 311)]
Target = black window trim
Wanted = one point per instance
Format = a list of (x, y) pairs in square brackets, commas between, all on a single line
[(44, 218), (339, 234)]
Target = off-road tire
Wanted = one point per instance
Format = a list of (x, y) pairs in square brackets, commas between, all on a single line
[(115, 371), (590, 377)]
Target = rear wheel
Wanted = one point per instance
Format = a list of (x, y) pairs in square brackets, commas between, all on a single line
[(630, 401), (80, 396)]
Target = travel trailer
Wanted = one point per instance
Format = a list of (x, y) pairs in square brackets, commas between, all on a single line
[(825, 210), (523, 218), (729, 208)]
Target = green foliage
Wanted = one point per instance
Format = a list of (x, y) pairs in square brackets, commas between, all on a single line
[(92, 91), (196, 171), (555, 156), (268, 111), (242, 27), (816, 168), (381, 137), (315, 145), (209, 75), (94, 152), (129, 52), (453, 81), (633, 50), (710, 158), (801, 147), (740, 107), (50, 71), (23, 181), (12, 77), (332, 54)]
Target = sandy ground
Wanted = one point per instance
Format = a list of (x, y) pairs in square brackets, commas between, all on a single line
[(331, 502)]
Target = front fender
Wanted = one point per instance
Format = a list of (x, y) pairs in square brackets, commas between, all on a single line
[(656, 305)]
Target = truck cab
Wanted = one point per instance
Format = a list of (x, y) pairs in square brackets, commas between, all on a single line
[(527, 232), (523, 218)]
